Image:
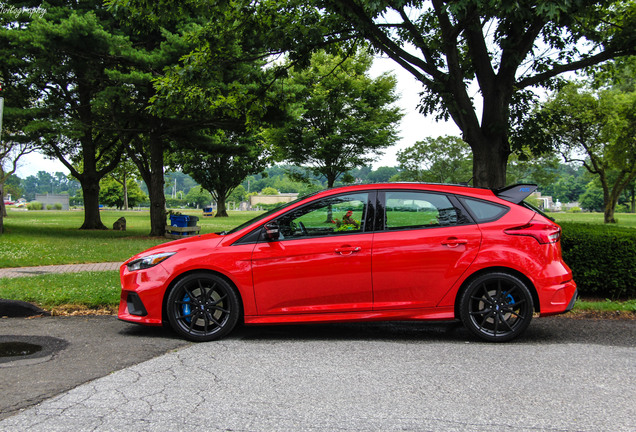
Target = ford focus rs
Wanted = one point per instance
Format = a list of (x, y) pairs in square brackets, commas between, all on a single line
[(361, 253)]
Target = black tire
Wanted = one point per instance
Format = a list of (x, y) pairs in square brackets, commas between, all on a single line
[(203, 307), (496, 307)]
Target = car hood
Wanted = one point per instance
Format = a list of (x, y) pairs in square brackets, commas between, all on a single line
[(210, 240)]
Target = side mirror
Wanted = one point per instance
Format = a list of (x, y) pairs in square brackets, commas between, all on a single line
[(271, 231)]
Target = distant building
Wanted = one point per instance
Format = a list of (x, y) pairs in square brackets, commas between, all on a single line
[(52, 200), (255, 200), (545, 202)]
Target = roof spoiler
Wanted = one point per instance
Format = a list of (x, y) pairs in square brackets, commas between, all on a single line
[(515, 193)]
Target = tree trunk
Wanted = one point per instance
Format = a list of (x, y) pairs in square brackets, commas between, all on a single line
[(221, 210), (155, 188), (125, 187), (92, 218), (490, 158), (2, 209)]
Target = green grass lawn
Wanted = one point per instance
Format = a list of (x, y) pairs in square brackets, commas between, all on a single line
[(624, 219), (93, 290), (34, 238)]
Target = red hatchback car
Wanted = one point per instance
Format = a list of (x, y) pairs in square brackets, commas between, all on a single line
[(361, 253)]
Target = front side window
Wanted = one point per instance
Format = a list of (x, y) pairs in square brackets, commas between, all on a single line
[(412, 210), (341, 214)]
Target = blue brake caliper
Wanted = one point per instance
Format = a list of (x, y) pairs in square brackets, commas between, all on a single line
[(186, 309), (509, 298)]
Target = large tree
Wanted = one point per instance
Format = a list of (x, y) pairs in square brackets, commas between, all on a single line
[(596, 129), (198, 79), (66, 58), (496, 50), (344, 117), (444, 159), (221, 171)]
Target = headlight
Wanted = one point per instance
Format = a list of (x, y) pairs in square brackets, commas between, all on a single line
[(148, 261)]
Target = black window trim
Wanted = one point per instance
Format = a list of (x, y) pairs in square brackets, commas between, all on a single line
[(381, 204), (461, 198), (256, 235)]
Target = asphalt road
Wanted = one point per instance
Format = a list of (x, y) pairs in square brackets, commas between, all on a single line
[(563, 375)]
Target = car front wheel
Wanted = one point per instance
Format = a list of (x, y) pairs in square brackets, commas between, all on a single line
[(203, 307), (496, 307)]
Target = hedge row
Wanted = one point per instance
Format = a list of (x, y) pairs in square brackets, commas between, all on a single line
[(602, 258)]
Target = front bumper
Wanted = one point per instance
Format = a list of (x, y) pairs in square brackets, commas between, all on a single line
[(142, 295)]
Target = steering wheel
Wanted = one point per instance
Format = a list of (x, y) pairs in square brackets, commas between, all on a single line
[(303, 230)]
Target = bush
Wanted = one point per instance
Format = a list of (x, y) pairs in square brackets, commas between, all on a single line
[(57, 206), (575, 210), (34, 205), (602, 258), (49, 207)]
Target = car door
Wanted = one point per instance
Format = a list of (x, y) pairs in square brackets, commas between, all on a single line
[(423, 246), (322, 260)]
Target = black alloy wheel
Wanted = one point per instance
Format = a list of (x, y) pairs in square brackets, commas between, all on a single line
[(203, 307), (496, 307)]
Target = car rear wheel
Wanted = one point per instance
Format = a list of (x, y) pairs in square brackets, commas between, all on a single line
[(496, 307), (203, 307)]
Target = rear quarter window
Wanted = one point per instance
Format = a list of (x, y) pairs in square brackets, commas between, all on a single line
[(484, 211)]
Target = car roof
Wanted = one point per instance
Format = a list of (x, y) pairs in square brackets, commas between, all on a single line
[(435, 187)]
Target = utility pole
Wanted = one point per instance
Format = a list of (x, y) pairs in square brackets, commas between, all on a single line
[(1, 110)]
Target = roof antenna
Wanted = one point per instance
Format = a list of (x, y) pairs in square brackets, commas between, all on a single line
[(466, 183)]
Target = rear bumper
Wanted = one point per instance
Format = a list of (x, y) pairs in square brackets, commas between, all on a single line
[(558, 299)]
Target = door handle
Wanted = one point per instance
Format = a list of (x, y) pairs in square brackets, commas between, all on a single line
[(347, 250), (453, 242)]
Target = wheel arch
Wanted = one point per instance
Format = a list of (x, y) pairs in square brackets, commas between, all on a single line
[(497, 269), (164, 303)]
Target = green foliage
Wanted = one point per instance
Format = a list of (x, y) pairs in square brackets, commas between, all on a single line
[(269, 191), (43, 182), (594, 128), (444, 159), (176, 203), (602, 258), (342, 115), (592, 198), (34, 205), (64, 59), (50, 207), (198, 197), (219, 172), (501, 48), (111, 193), (238, 195)]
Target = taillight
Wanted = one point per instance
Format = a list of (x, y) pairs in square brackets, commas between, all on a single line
[(543, 232)]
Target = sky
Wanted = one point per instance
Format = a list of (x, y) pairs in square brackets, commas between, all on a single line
[(413, 127)]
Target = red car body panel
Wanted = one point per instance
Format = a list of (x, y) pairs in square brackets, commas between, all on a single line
[(413, 274), (416, 268), (305, 276)]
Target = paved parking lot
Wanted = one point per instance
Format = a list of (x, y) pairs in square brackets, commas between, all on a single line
[(563, 375)]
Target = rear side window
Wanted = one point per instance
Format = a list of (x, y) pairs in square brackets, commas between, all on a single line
[(410, 210), (484, 211)]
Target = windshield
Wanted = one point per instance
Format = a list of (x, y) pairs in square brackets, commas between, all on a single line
[(264, 215)]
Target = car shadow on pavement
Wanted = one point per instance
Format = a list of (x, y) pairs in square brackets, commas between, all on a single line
[(553, 330)]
